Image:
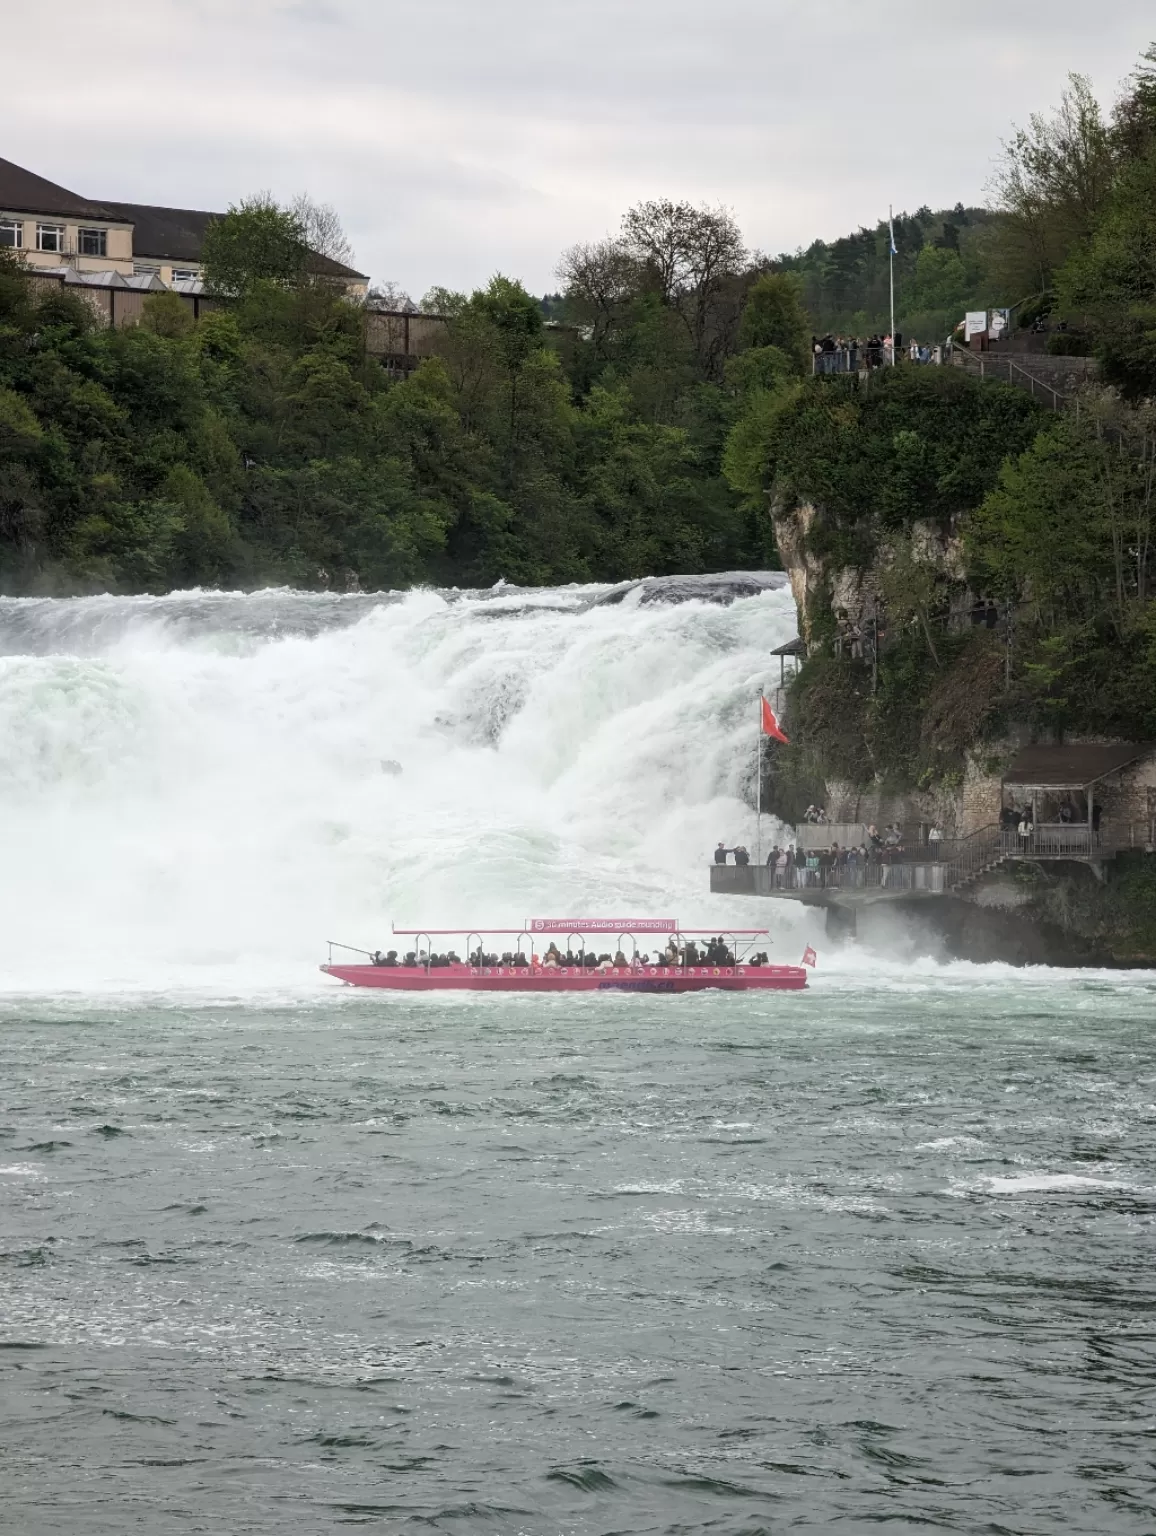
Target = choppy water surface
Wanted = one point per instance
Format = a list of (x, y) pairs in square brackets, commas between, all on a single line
[(879, 1253), (277, 1257)]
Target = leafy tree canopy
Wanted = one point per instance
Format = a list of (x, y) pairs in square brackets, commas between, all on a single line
[(256, 242)]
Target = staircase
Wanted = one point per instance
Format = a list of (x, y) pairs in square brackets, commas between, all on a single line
[(1053, 381), (974, 856)]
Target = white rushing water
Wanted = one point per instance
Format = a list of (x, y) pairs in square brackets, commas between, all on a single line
[(193, 796)]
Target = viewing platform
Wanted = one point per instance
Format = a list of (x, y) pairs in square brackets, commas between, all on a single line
[(904, 872), (1059, 805)]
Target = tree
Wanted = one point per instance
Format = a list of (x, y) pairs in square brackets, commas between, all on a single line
[(256, 242), (1110, 283), (600, 281), (774, 316), (515, 315), (691, 256), (321, 229), (1134, 116), (1069, 526), (443, 301), (166, 314), (1051, 186)]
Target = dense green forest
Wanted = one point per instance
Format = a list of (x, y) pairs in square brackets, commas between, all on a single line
[(262, 444), (645, 435), (944, 265)]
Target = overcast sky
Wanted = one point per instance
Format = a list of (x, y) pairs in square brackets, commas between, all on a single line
[(461, 137)]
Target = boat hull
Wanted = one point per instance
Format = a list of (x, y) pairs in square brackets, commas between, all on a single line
[(540, 980)]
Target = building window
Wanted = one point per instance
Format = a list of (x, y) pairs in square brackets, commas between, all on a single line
[(11, 233), (186, 274), (92, 242), (50, 237), (145, 268)]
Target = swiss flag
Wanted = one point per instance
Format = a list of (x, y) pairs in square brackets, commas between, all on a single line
[(771, 726), (809, 957)]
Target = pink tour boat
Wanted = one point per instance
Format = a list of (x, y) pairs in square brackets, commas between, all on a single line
[(729, 961)]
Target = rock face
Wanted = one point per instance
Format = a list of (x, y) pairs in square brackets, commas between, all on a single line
[(822, 586), (804, 571), (1058, 915)]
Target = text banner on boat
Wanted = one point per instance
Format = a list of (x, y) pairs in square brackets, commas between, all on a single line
[(603, 925)]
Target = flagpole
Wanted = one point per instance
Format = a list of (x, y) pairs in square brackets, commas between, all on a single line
[(891, 244), (759, 777)]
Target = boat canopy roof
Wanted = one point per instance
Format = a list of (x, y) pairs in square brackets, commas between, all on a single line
[(580, 925)]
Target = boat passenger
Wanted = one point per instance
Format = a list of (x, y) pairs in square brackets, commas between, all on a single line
[(620, 960), (691, 952), (411, 958), (550, 963), (606, 964)]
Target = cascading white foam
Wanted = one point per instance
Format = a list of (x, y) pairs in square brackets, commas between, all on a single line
[(192, 791)]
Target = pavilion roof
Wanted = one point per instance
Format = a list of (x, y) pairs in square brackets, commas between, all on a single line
[(1071, 767)]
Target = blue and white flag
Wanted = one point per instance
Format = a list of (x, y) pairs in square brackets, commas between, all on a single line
[(891, 228)]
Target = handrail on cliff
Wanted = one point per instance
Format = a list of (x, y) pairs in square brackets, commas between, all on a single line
[(973, 853)]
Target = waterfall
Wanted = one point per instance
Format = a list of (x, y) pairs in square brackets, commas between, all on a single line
[(196, 791)]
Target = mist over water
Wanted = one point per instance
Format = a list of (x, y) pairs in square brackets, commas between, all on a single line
[(278, 1256), (192, 790)]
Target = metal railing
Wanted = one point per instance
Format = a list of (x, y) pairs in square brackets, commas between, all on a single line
[(1076, 840), (850, 359), (1052, 840), (1006, 368), (891, 871), (922, 867)]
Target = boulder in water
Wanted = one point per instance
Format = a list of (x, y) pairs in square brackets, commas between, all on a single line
[(722, 587)]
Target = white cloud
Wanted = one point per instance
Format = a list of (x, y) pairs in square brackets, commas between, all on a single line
[(457, 137)]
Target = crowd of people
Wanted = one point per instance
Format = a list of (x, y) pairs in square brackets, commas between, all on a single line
[(678, 952), (880, 859), (872, 862), (850, 354)]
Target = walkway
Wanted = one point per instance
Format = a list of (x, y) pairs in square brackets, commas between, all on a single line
[(916, 874)]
